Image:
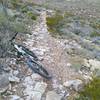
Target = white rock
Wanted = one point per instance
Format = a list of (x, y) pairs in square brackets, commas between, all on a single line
[(14, 79), (15, 72), (40, 87), (94, 63), (52, 95), (15, 97), (69, 64), (36, 95), (75, 84)]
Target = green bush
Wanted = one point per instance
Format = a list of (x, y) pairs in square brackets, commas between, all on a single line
[(91, 90)]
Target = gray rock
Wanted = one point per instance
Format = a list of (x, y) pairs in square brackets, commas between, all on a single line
[(36, 77), (36, 95), (14, 79), (52, 95), (74, 84), (4, 82), (40, 87)]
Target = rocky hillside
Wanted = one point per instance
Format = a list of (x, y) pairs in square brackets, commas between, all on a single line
[(65, 37)]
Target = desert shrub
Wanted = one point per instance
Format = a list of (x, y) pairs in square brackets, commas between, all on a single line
[(91, 90), (53, 24)]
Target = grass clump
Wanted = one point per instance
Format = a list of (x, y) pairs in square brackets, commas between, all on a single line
[(91, 90), (68, 14), (95, 34), (95, 24), (53, 24), (31, 15)]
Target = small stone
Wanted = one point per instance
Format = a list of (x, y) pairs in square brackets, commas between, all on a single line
[(40, 87), (14, 79), (74, 84), (52, 95), (69, 64), (16, 72)]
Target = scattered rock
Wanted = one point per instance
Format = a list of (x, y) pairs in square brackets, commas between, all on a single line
[(74, 84), (93, 64), (52, 95)]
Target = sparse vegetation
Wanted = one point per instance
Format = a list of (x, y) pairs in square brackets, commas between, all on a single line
[(53, 24), (95, 34), (91, 90), (95, 24)]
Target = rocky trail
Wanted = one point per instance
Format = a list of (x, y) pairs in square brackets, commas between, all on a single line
[(50, 50), (71, 60)]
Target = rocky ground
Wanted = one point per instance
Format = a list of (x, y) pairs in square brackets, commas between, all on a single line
[(70, 65)]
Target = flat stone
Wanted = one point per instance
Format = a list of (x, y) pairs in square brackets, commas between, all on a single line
[(52, 95), (74, 84), (15, 97), (40, 87)]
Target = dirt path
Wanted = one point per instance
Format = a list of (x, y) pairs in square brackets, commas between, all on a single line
[(51, 50)]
